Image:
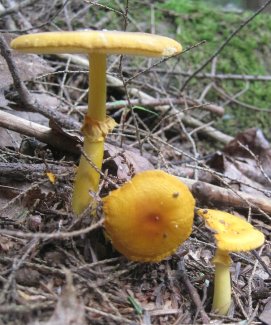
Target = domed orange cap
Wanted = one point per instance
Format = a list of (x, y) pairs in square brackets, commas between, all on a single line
[(232, 233), (150, 216)]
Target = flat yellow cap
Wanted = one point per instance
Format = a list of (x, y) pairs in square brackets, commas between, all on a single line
[(89, 41), (232, 233), (150, 216)]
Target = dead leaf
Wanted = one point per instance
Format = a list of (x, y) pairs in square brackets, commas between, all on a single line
[(29, 66), (69, 310), (22, 203), (253, 138), (242, 176), (51, 177), (5, 244), (265, 316), (9, 139), (125, 162)]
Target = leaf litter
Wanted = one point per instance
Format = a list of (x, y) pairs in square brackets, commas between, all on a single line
[(81, 279)]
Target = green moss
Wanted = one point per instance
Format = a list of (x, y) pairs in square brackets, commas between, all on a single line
[(247, 53)]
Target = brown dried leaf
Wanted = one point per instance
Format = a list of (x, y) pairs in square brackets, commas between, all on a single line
[(9, 139), (246, 163), (69, 310), (29, 66), (242, 175), (126, 163), (253, 138), (265, 316), (24, 201), (5, 244)]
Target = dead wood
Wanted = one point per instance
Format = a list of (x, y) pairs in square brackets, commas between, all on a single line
[(207, 130), (42, 133), (218, 110), (31, 172), (217, 196)]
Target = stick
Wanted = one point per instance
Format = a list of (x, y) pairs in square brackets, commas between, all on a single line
[(30, 172), (40, 132), (115, 82), (223, 45), (166, 101), (26, 97), (193, 293), (222, 196)]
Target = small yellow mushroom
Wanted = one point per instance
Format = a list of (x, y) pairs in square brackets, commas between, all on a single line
[(232, 234)]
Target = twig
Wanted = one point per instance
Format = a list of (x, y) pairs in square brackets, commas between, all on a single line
[(56, 235), (193, 293), (230, 98), (218, 76), (219, 195), (22, 171), (166, 101), (25, 309), (15, 266), (162, 61), (249, 285), (258, 257), (26, 97), (16, 7), (224, 44), (40, 132), (115, 318)]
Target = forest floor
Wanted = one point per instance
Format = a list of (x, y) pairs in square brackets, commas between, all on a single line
[(202, 116)]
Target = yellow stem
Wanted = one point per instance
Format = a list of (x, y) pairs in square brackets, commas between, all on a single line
[(87, 178), (222, 283), (97, 85)]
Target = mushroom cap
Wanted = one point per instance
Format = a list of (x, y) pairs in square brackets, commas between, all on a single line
[(232, 233), (104, 42), (150, 216)]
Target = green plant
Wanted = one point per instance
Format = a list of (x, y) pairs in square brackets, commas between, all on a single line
[(246, 54)]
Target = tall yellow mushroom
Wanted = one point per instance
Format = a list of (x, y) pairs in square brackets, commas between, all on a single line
[(97, 45), (232, 234)]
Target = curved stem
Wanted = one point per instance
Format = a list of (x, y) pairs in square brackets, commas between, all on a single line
[(222, 283), (87, 178)]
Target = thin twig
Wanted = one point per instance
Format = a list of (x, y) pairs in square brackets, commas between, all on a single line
[(224, 44), (56, 235), (26, 97), (193, 293)]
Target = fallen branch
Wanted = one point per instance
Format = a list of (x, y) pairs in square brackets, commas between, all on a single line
[(31, 172), (218, 76), (167, 101), (218, 196), (115, 82), (40, 132), (193, 293), (55, 235)]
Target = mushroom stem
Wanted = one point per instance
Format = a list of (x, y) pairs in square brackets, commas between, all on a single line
[(94, 130), (97, 85), (222, 283)]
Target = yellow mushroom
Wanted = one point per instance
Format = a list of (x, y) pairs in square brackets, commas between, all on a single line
[(232, 234), (150, 216), (97, 44)]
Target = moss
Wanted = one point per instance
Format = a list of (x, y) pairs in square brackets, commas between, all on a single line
[(247, 53)]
